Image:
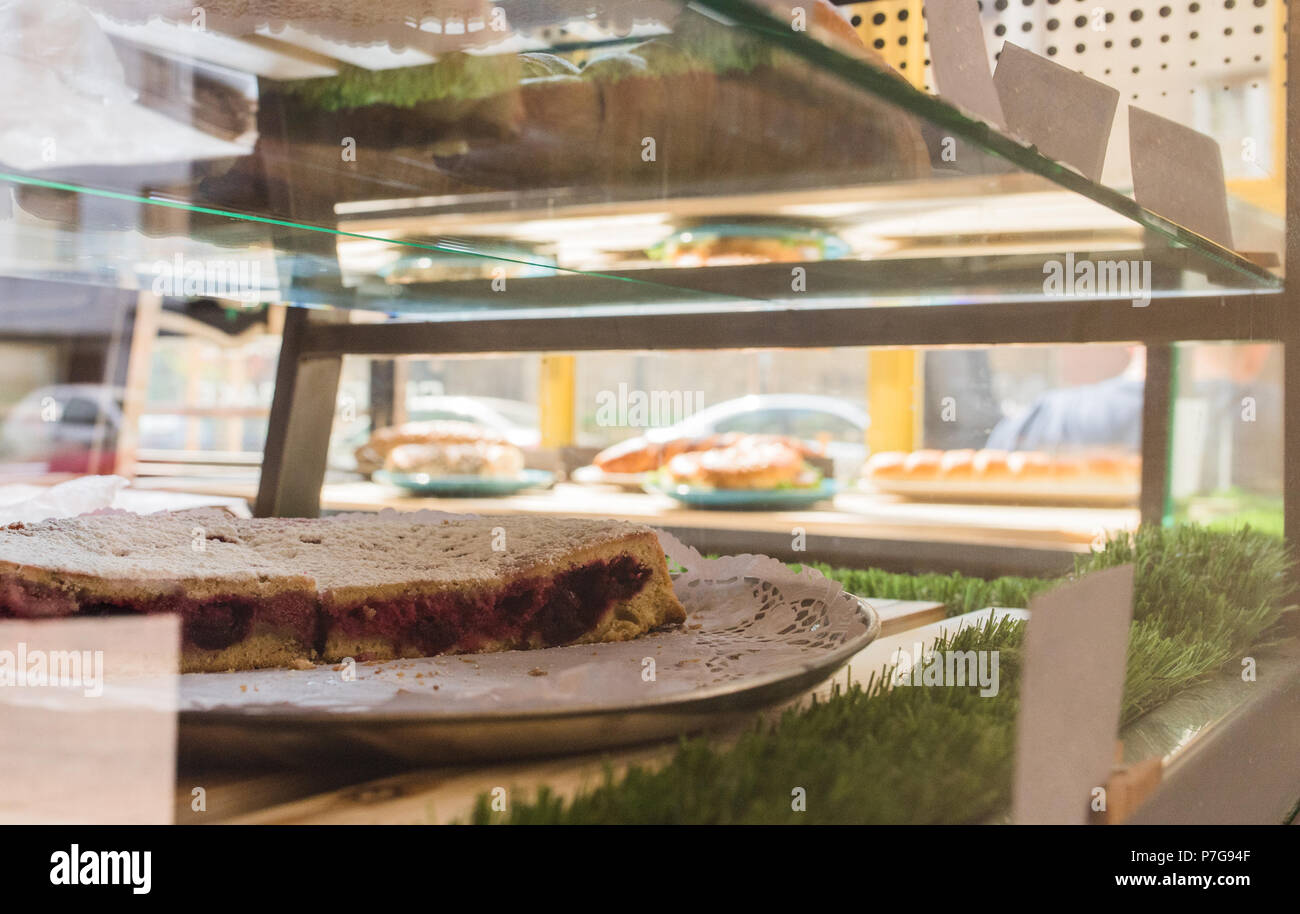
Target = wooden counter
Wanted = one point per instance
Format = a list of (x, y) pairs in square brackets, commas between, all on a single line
[(849, 514)]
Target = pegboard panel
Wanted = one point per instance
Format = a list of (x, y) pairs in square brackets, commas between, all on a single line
[(1215, 65), (1206, 63), (895, 29)]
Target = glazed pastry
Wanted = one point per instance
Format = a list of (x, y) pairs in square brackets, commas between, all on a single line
[(374, 454), (637, 455), (755, 462), (477, 458)]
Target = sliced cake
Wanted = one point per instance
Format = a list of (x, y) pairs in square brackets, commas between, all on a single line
[(272, 592), (239, 609)]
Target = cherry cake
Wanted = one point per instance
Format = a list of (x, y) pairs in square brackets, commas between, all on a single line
[(270, 592)]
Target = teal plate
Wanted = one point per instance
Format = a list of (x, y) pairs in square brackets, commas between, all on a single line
[(748, 499), (466, 486), (832, 247)]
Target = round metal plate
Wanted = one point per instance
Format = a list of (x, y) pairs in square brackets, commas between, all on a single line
[(286, 734)]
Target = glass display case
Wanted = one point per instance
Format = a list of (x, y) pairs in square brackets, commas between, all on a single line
[(235, 244)]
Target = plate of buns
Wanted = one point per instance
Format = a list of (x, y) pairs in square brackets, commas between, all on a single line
[(1100, 478), (757, 472), (448, 458)]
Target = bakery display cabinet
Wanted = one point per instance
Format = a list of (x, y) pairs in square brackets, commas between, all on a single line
[(1034, 189)]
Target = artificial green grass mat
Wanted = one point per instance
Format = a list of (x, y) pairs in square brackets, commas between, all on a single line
[(922, 755), (696, 44), (959, 593), (930, 755)]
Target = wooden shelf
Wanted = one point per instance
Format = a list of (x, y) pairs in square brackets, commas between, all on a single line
[(851, 514)]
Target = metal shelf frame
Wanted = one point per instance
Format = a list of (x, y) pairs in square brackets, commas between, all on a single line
[(315, 343)]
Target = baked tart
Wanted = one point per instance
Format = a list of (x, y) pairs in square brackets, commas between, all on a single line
[(272, 592)]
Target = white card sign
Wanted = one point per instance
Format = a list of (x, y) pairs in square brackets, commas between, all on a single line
[(1178, 174), (1065, 114), (1072, 683), (88, 720), (960, 59)]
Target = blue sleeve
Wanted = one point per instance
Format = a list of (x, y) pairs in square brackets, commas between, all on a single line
[(1108, 414)]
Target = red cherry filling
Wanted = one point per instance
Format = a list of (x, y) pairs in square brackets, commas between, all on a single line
[(556, 610)]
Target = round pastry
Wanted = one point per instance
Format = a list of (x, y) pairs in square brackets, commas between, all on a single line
[(636, 455), (373, 455), (472, 458), (671, 449), (751, 463)]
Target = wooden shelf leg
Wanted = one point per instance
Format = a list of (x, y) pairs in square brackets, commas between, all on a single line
[(298, 432)]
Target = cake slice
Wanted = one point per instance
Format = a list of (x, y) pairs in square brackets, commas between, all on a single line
[(277, 591), (496, 583), (240, 609)]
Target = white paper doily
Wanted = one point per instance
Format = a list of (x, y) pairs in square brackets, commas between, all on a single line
[(751, 623)]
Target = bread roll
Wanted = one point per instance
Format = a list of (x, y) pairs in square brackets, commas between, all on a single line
[(1025, 465), (923, 464), (991, 465), (885, 465), (957, 465)]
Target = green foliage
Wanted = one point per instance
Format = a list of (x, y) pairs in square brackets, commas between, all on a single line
[(918, 755), (1231, 509), (929, 755), (1201, 598), (959, 593), (457, 77), (696, 44)]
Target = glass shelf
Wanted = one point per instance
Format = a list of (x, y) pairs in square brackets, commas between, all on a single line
[(550, 161)]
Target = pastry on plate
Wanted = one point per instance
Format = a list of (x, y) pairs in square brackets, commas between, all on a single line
[(754, 462), (474, 458), (642, 455), (375, 453), (271, 592), (1001, 468)]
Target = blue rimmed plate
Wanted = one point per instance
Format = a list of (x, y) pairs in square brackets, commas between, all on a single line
[(791, 499), (466, 486)]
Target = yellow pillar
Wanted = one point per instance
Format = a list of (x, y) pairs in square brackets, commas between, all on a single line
[(894, 384), (555, 400), (892, 393)]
